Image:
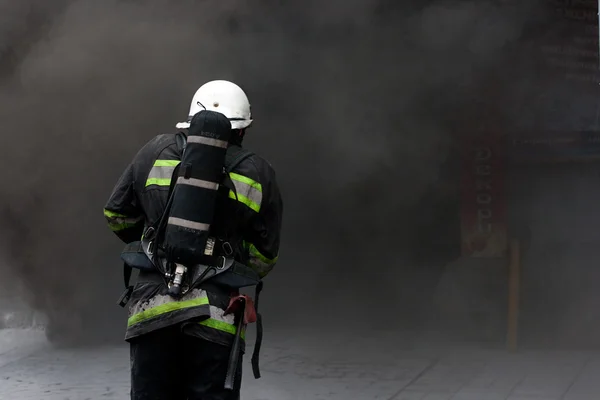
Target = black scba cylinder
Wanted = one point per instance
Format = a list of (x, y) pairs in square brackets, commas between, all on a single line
[(196, 189)]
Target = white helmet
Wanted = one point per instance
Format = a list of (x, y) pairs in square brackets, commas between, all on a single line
[(224, 97)]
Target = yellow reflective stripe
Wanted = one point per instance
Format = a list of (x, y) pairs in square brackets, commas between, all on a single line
[(255, 253), (247, 191), (244, 200), (166, 163), (159, 181), (258, 261), (111, 214), (161, 172), (246, 180), (118, 222), (222, 326), (165, 308)]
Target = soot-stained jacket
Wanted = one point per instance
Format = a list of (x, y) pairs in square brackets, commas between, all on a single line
[(253, 213)]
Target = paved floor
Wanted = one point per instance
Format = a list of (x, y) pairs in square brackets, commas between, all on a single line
[(302, 367)]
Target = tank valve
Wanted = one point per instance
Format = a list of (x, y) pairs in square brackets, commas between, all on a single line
[(175, 285)]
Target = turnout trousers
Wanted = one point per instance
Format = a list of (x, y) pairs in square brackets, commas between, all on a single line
[(168, 364)]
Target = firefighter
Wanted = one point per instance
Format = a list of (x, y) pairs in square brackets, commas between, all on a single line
[(180, 347)]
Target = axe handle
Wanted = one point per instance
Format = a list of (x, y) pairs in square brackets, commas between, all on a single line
[(234, 355)]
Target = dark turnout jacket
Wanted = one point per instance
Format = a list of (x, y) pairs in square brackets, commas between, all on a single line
[(253, 213)]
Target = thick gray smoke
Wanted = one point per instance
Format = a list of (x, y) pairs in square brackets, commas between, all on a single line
[(355, 103)]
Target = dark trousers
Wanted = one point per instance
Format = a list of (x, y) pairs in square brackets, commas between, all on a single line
[(170, 365)]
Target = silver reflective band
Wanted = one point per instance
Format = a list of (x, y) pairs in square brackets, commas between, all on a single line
[(197, 183), (248, 191), (184, 223), (161, 172), (207, 141)]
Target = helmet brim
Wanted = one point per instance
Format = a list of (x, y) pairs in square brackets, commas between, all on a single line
[(241, 124), (234, 124)]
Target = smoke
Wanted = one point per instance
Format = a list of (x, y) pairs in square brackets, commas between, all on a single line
[(355, 102)]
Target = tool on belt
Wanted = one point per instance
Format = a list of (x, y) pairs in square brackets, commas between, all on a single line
[(237, 306), (246, 312)]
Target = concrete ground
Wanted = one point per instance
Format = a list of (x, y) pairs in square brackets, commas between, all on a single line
[(317, 367)]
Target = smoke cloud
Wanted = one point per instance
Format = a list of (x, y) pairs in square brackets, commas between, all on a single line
[(355, 101)]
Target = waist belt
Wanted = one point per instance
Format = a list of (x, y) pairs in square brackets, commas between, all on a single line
[(224, 271)]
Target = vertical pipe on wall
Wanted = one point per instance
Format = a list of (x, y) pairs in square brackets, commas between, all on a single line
[(514, 288)]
